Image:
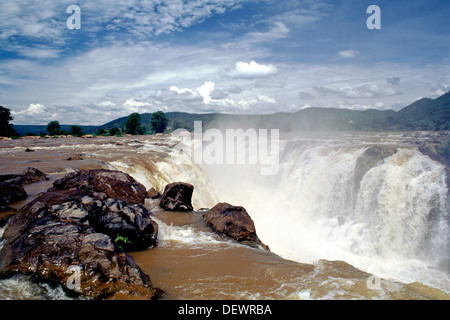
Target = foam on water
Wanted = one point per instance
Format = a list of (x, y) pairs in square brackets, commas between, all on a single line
[(395, 225)]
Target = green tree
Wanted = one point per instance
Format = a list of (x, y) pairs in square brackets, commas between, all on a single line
[(76, 131), (6, 129), (133, 124), (114, 131), (101, 132), (54, 128), (158, 122)]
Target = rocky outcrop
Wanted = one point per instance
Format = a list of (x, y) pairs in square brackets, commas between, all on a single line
[(5, 214), (30, 175), (114, 184), (177, 196), (233, 222), (11, 192), (152, 193), (76, 228)]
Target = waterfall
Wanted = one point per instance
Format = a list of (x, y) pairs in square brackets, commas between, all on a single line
[(381, 207), (372, 201)]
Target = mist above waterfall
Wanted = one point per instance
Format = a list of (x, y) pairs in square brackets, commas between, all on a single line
[(368, 199)]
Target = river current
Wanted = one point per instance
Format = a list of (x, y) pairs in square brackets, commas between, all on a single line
[(346, 216)]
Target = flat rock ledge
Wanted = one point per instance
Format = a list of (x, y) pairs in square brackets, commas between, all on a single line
[(69, 236)]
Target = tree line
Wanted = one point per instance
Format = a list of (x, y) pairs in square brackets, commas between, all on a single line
[(133, 126)]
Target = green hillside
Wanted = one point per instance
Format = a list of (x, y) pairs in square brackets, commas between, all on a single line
[(423, 114)]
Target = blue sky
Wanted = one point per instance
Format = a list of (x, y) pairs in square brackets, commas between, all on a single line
[(233, 56)]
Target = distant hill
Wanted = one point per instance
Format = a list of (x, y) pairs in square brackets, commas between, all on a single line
[(427, 114), (423, 114), (37, 129)]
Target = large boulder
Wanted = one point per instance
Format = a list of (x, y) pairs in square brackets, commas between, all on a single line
[(114, 184), (233, 222), (117, 218), (177, 196), (11, 192), (75, 228), (30, 175)]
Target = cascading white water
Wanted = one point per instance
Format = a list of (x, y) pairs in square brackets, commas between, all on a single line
[(331, 199), (393, 222)]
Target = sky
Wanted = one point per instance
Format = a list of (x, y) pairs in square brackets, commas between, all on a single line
[(113, 58)]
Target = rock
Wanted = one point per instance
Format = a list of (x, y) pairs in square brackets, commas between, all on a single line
[(75, 157), (30, 175), (177, 196), (6, 213), (233, 222), (114, 184), (153, 194), (5, 177), (87, 136), (63, 229), (11, 192), (29, 150), (118, 218)]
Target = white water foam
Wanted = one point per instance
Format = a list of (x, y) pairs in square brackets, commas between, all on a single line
[(394, 226)]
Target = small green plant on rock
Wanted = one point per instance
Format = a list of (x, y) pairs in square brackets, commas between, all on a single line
[(120, 241)]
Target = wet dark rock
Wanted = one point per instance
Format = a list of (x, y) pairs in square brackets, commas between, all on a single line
[(11, 192), (9, 176), (30, 175), (75, 227), (6, 213), (75, 157), (152, 193), (233, 222), (177, 196), (118, 218), (114, 184)]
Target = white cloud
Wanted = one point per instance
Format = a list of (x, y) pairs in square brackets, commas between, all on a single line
[(278, 30), (393, 80), (181, 91), (106, 104), (39, 53), (36, 113), (205, 91), (368, 90), (349, 53), (252, 70), (45, 20)]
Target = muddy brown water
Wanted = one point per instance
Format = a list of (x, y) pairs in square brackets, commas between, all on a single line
[(192, 262)]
